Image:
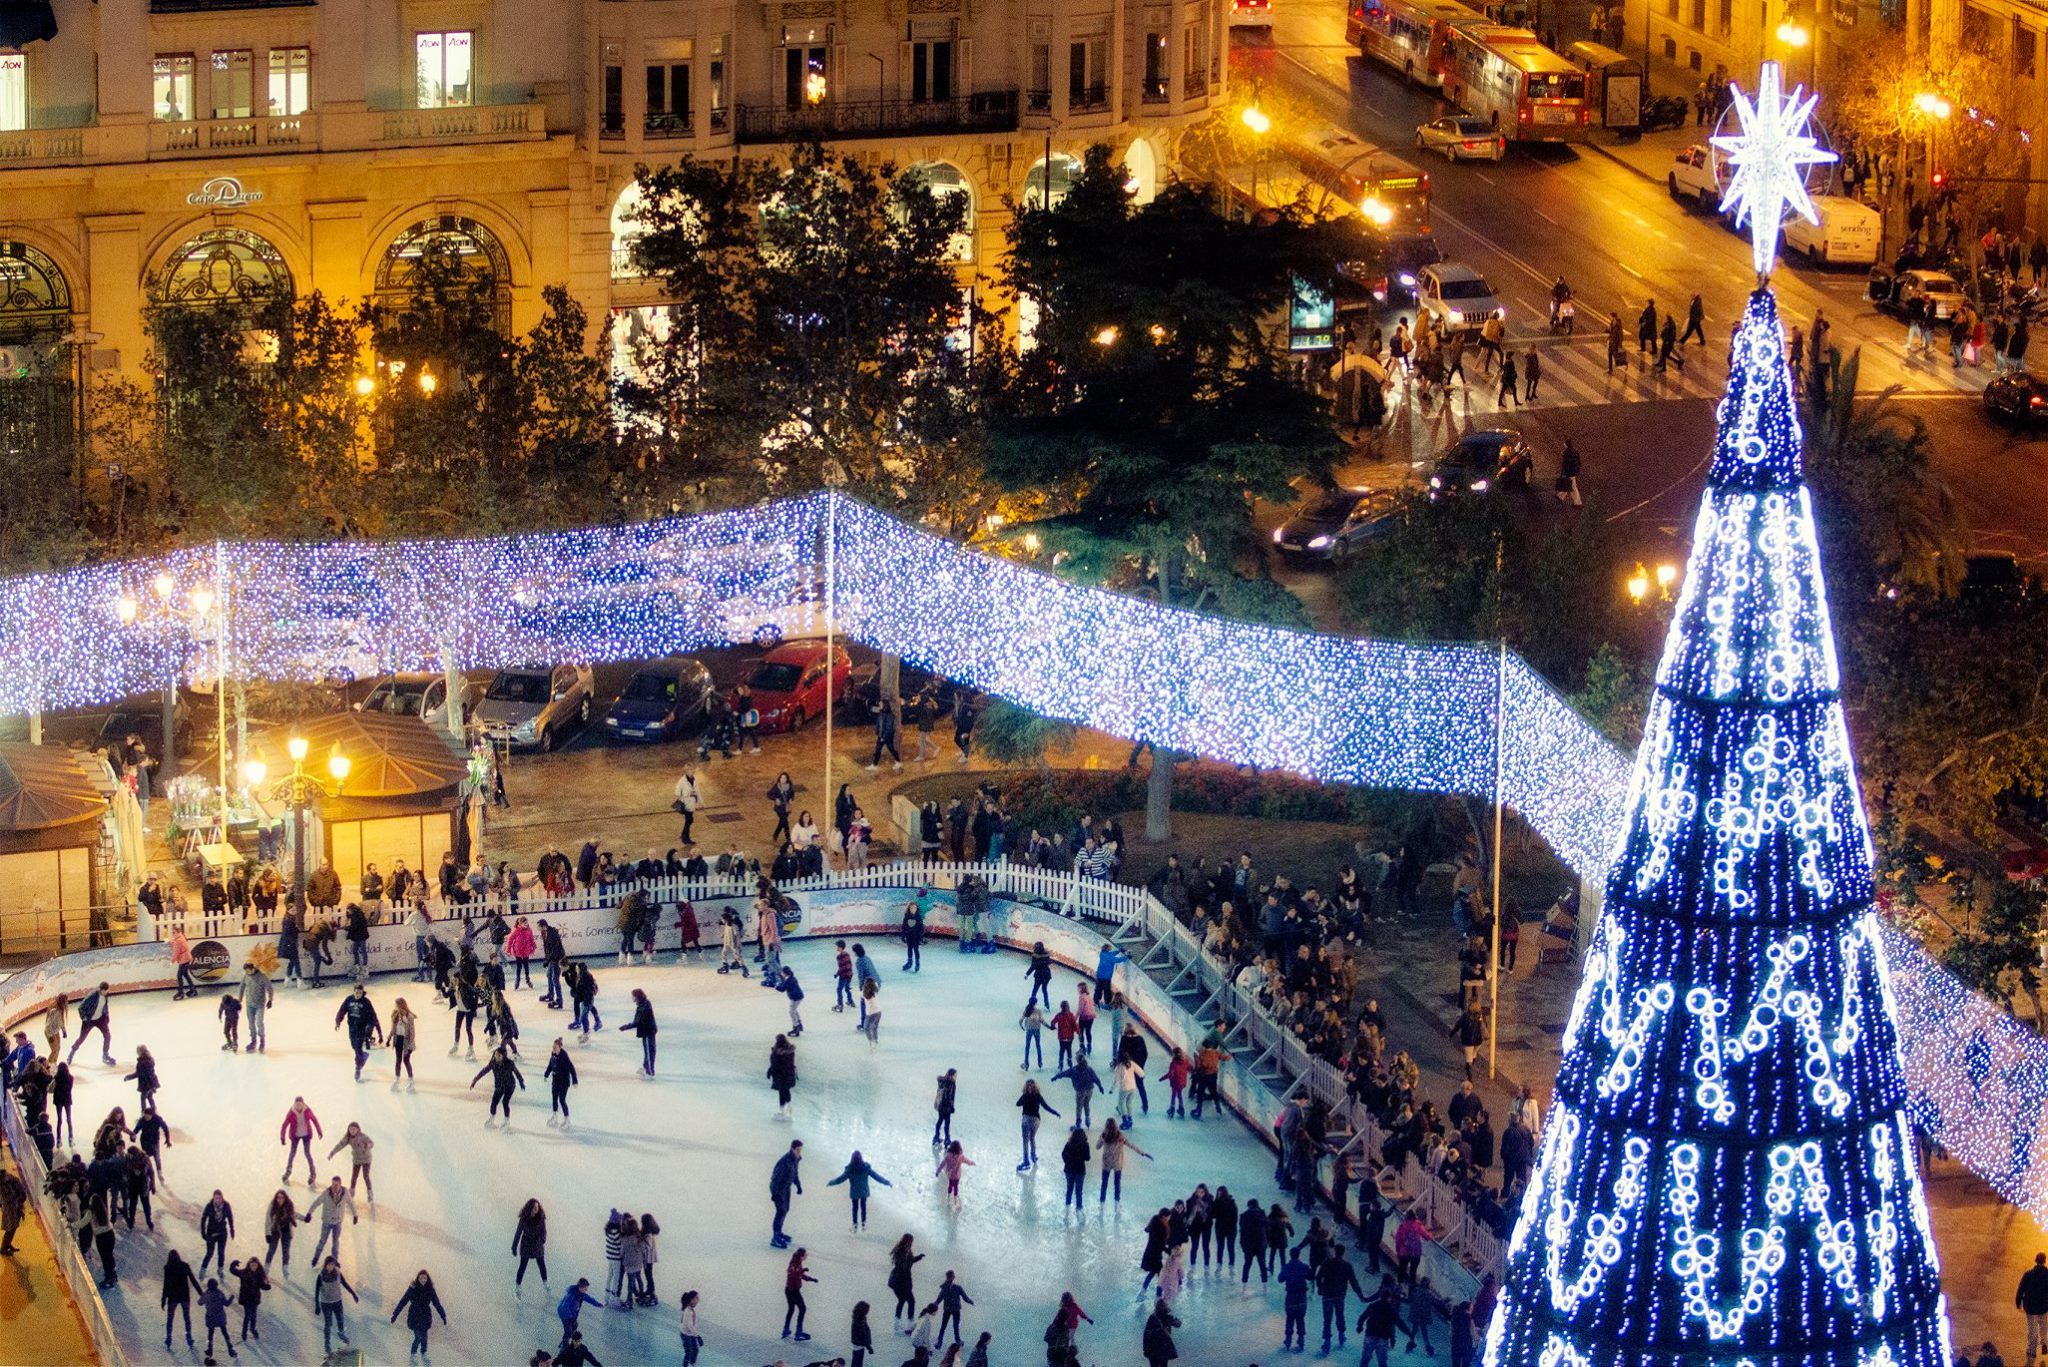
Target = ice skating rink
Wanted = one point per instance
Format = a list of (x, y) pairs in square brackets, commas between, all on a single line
[(693, 1147)]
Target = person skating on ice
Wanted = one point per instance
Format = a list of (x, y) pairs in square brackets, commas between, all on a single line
[(950, 1164), (793, 990), (855, 1176), (570, 1309), (467, 999), (950, 1296), (643, 1027), (216, 1227), (230, 1013), (561, 1075), (333, 1199), (419, 1305), (297, 1131), (404, 1036), (1033, 1105), (782, 1073), (944, 1099), (153, 1133), (176, 1296), (251, 1281), (731, 953), (1087, 1082), (504, 1074), (280, 1220), (871, 1011), (793, 1278), (1113, 1145), (784, 1182), (530, 1243), (499, 1024), (328, 1288), (364, 1028), (903, 1257), (358, 1145)]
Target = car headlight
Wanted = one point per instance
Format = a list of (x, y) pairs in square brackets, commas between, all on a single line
[(1407, 280), (1436, 481), (1479, 486), (612, 722), (527, 729), (1317, 543), (1455, 315), (1277, 532)]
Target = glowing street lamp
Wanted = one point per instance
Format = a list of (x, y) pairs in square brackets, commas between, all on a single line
[(1667, 575), (1936, 111), (365, 386), (1108, 336), (1638, 585), (1260, 124), (338, 766)]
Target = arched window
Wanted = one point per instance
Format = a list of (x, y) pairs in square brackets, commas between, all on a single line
[(626, 230), (944, 182), (444, 264), (37, 304), (1065, 173), (1141, 172), (223, 267)]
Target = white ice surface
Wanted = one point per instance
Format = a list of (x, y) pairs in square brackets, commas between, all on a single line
[(694, 1147)]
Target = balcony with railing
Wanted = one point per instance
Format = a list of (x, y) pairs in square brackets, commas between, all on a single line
[(1087, 99), (669, 124), (349, 130), (231, 137), (989, 111), (48, 147)]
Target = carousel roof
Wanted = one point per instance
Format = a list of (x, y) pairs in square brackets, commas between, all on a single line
[(42, 786), (389, 757)]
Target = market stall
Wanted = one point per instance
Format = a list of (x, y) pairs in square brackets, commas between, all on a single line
[(52, 831)]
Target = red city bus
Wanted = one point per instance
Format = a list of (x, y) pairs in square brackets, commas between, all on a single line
[(1407, 35), (1507, 76)]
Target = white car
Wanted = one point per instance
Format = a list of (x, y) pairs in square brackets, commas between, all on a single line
[(1457, 296), (1462, 138), (1695, 175), (419, 695)]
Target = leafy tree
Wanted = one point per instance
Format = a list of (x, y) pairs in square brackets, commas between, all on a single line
[(1155, 401), (1009, 734), (224, 472), (1999, 953), (1616, 695), (815, 335)]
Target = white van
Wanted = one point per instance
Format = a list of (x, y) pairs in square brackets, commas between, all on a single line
[(1847, 235)]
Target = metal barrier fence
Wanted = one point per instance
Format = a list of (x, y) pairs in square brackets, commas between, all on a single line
[(71, 1264)]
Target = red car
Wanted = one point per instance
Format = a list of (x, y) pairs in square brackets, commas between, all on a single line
[(787, 685)]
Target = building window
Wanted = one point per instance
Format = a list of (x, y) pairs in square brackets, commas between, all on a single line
[(668, 98), (13, 92), (1194, 47), (717, 78), (232, 84), (291, 80), (442, 267), (931, 71), (2022, 51), (1727, 17), (1155, 67), (805, 77), (1047, 185), (35, 301), (943, 182), (1040, 96), (1087, 68), (172, 86), (223, 266), (614, 124), (443, 68)]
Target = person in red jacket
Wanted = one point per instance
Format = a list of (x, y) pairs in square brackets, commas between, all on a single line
[(299, 1127), (1066, 1025), (1178, 1071)]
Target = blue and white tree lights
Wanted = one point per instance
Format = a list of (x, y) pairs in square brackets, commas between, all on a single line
[(1729, 1172)]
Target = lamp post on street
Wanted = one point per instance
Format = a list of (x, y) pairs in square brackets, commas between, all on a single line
[(1260, 123), (1794, 35), (1935, 110), (299, 789)]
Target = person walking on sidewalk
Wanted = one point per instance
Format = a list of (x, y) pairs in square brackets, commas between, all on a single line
[(1508, 383), (2031, 1300), (1532, 372), (1646, 328), (1617, 348), (1695, 322)]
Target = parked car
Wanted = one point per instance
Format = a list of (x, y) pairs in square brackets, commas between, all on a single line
[(1251, 14), (420, 695), (1488, 459), (1895, 290), (1329, 526), (1461, 138), (661, 700), (534, 705), (1696, 176), (788, 683), (1457, 296), (854, 705), (2018, 399), (1390, 274), (1846, 235)]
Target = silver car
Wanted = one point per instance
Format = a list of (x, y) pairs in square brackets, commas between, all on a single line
[(1461, 138), (419, 695), (1458, 297), (535, 706)]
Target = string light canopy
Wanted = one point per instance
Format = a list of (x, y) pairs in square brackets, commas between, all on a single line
[(1729, 1174), (1770, 157)]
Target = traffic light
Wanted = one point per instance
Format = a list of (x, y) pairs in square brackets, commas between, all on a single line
[(1939, 179)]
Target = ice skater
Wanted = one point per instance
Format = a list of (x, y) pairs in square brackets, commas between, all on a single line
[(251, 1281), (404, 1036), (503, 1073), (1113, 1144), (467, 999), (784, 1181), (280, 1219), (144, 1077), (419, 1305), (856, 1175), (950, 1163), (327, 1291), (1034, 1105), (94, 1014), (570, 1310), (903, 1257), (297, 1131), (842, 978), (871, 1011), (793, 1279), (642, 1025), (561, 1075), (499, 1024), (731, 953), (793, 990), (364, 1028), (693, 1342), (1039, 971), (950, 1296), (358, 1145), (214, 1302), (1065, 1026), (530, 1242), (1032, 1023), (782, 1073), (583, 997), (1087, 1082), (176, 1295), (943, 1102), (216, 1227), (333, 1199), (230, 1013)]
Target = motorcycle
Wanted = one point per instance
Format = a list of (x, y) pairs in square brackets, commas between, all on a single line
[(1665, 111)]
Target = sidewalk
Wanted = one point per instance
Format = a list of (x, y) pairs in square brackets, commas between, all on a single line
[(34, 1306)]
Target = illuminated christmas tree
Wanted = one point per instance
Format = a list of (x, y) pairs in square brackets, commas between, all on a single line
[(1728, 1175)]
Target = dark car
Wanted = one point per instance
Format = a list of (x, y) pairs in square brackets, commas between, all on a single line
[(661, 700), (1388, 274), (1329, 526), (855, 706), (1482, 461), (2018, 399)]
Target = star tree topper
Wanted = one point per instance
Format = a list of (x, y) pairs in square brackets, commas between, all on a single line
[(1770, 158)]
